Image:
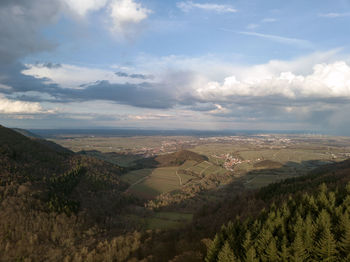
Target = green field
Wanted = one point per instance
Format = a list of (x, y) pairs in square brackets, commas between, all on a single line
[(262, 180), (200, 168), (168, 220), (296, 156), (133, 176), (161, 220), (149, 183)]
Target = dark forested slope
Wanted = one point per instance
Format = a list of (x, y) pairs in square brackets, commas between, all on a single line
[(301, 219), (54, 202)]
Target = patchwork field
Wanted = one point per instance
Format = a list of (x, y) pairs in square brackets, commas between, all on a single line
[(172, 181), (148, 183), (257, 160), (152, 182)]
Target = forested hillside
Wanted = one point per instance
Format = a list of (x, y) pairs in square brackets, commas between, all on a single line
[(303, 219), (53, 203)]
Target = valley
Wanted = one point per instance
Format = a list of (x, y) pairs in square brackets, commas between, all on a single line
[(156, 198), (160, 174)]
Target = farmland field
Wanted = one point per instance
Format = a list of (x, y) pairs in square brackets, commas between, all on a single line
[(257, 160), (155, 181), (168, 191), (133, 176)]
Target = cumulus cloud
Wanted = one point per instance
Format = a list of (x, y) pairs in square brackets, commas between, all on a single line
[(326, 81), (126, 16), (8, 106), (313, 89), (189, 5)]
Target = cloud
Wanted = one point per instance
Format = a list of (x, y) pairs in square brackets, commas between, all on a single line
[(20, 25), (22, 22), (325, 82), (189, 5), (141, 95), (280, 39), (296, 92), (83, 7), (269, 20), (68, 83), (8, 106), (126, 15), (334, 15), (150, 117), (135, 76), (5, 87), (72, 76)]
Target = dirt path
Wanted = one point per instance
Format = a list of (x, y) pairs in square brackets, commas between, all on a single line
[(180, 179)]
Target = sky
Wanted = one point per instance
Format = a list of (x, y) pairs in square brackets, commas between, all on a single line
[(161, 64)]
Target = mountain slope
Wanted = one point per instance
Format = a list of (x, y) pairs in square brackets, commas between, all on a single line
[(54, 200), (305, 218)]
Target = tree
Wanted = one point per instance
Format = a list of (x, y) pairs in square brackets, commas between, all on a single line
[(226, 254), (345, 238), (272, 252), (213, 249), (298, 248), (249, 249), (325, 248)]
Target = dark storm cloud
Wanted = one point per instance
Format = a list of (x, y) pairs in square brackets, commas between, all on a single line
[(140, 95), (135, 76), (20, 25), (19, 82), (149, 95)]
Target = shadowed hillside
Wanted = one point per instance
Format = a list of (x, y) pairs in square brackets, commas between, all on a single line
[(262, 222), (49, 198)]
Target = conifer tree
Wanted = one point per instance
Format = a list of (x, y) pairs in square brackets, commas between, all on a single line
[(272, 252), (226, 254), (345, 239), (308, 233), (284, 256), (322, 196), (262, 242), (325, 249), (213, 249), (249, 249), (298, 252)]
